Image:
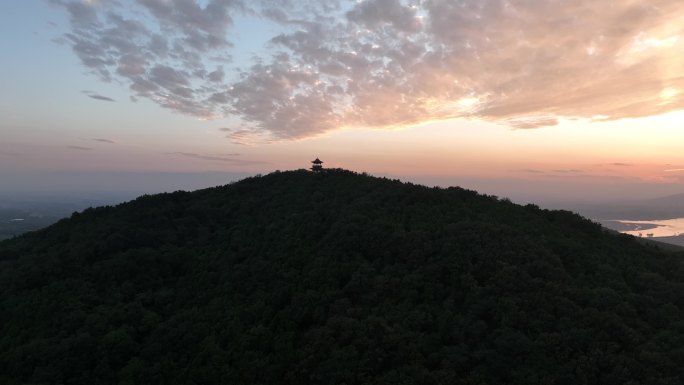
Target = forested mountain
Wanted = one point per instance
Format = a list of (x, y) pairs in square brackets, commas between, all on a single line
[(336, 278)]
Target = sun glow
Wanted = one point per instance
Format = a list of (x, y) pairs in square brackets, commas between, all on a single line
[(669, 93)]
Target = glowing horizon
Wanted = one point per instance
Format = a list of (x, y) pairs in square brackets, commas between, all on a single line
[(575, 94)]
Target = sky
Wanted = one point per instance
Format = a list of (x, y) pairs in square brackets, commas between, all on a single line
[(529, 99)]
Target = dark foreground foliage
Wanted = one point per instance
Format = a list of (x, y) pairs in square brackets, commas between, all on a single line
[(336, 278)]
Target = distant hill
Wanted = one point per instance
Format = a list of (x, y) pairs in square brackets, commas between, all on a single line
[(336, 278), (676, 200), (674, 240)]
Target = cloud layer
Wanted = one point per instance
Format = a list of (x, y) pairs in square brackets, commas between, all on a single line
[(222, 158), (388, 63)]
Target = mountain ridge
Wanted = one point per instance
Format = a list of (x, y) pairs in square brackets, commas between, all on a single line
[(336, 277)]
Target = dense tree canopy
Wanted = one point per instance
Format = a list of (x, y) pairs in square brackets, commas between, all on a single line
[(336, 278)]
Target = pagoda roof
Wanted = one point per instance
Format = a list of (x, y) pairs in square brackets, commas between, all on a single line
[(317, 161)]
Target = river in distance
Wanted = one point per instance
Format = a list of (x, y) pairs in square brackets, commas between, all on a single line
[(651, 228)]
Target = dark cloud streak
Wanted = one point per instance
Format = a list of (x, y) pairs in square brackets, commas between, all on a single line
[(96, 96), (103, 140), (100, 97), (223, 158)]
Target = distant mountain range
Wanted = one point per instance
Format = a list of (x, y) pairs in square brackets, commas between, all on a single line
[(336, 278), (667, 207), (674, 201)]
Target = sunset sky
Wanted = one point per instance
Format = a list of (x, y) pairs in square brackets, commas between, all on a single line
[(531, 99)]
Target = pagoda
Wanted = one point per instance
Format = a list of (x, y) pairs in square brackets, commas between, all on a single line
[(317, 165)]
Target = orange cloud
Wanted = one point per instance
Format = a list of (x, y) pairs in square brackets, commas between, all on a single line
[(388, 63)]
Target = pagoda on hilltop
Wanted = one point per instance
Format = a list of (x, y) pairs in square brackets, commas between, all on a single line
[(317, 165)]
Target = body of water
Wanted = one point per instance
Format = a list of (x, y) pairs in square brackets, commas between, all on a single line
[(652, 228)]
